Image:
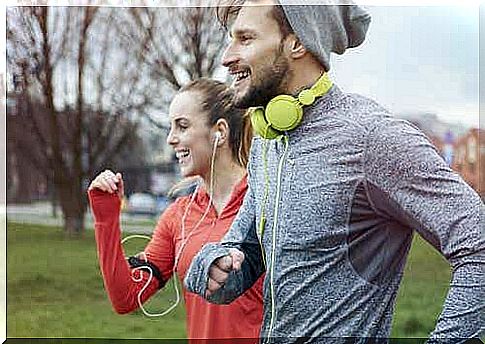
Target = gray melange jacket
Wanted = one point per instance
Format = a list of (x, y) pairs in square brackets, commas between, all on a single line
[(355, 184)]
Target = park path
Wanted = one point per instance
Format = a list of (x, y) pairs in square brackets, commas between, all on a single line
[(40, 213)]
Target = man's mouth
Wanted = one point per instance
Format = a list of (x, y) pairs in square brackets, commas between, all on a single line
[(240, 76), (182, 155)]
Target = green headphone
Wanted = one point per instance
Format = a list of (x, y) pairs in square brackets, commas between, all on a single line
[(284, 112)]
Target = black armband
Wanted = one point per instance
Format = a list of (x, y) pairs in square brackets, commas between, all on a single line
[(136, 262)]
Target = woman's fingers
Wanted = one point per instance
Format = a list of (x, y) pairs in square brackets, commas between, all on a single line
[(106, 181), (105, 186), (111, 183)]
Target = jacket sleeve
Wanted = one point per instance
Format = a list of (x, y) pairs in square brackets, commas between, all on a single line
[(424, 192), (117, 273), (242, 236)]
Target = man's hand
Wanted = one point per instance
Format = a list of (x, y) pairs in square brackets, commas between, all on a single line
[(107, 181), (220, 269)]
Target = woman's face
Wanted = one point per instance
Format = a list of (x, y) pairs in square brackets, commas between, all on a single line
[(190, 135)]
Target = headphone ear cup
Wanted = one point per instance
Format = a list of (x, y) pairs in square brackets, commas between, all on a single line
[(261, 126), (284, 112)]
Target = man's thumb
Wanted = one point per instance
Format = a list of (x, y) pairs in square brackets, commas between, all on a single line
[(237, 258)]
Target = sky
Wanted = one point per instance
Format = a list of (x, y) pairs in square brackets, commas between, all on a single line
[(418, 59), (414, 59)]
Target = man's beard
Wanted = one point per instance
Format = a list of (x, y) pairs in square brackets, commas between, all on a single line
[(268, 82)]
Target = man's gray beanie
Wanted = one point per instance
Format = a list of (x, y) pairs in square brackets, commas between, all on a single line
[(323, 29)]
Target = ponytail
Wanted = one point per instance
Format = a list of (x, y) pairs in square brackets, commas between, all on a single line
[(217, 103)]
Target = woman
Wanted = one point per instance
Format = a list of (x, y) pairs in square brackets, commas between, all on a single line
[(211, 139)]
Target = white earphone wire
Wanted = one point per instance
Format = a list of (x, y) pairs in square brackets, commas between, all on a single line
[(182, 246)]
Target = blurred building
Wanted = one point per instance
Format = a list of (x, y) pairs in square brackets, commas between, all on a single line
[(469, 151)]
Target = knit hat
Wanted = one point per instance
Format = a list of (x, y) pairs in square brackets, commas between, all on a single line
[(327, 28)]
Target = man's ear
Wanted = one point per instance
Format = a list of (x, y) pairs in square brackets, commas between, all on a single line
[(296, 48)]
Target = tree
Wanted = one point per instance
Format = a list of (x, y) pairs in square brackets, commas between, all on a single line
[(89, 76), (25, 154), (178, 44), (49, 48)]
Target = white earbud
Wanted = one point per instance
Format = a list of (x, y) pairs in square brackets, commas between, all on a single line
[(217, 138)]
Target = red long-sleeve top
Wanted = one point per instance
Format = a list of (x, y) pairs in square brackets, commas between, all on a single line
[(240, 319)]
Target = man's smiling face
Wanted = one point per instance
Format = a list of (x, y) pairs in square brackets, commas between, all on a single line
[(255, 56)]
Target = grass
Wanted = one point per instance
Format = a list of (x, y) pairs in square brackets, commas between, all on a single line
[(55, 289), (422, 293)]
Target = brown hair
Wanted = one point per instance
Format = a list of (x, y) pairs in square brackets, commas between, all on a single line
[(217, 103), (227, 10)]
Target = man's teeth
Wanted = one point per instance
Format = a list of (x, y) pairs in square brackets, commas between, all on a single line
[(182, 154), (241, 75)]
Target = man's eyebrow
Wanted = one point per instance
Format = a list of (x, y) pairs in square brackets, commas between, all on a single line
[(240, 32), (179, 119)]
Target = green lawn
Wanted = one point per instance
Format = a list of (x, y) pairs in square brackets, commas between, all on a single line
[(55, 289), (423, 290)]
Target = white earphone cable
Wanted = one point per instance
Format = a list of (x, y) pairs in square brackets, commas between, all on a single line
[(182, 246)]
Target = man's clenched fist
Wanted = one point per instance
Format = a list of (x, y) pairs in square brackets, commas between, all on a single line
[(220, 269)]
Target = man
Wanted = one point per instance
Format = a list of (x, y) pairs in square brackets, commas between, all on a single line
[(333, 203)]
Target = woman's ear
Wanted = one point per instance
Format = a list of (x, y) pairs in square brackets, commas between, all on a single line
[(221, 127)]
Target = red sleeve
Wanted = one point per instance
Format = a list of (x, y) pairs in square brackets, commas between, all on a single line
[(122, 290)]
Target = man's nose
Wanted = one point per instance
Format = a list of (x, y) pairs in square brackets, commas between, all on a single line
[(171, 138), (230, 56)]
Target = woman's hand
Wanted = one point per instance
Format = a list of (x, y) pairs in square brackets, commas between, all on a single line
[(108, 181)]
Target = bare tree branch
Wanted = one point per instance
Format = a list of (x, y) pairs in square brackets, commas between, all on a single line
[(96, 75)]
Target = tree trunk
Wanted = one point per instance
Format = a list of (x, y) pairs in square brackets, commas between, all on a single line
[(73, 209), (53, 202), (73, 224)]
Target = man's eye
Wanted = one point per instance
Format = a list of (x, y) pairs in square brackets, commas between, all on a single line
[(182, 126), (245, 39)]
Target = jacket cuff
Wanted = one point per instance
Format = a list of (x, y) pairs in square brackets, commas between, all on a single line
[(198, 273)]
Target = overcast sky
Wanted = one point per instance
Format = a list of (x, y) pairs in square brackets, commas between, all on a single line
[(414, 59)]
